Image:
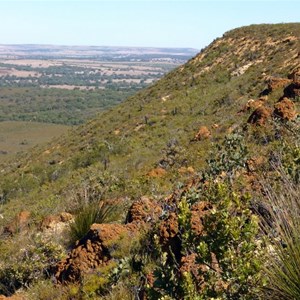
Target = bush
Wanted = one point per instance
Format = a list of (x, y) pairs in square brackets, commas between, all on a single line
[(30, 264), (226, 254), (283, 239), (95, 212)]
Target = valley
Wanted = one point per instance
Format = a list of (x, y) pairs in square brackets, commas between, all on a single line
[(67, 85), (187, 189)]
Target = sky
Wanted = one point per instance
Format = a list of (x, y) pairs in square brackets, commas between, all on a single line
[(143, 23)]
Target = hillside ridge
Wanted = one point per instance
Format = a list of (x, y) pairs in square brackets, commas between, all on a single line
[(192, 146)]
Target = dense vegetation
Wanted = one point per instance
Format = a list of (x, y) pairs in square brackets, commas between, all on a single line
[(58, 106), (199, 145), (71, 89)]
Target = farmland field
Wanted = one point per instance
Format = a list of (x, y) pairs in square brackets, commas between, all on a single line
[(42, 85), (70, 84)]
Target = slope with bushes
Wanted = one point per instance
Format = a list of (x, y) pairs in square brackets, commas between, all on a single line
[(216, 122)]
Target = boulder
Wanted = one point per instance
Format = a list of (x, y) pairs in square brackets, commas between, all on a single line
[(285, 109), (202, 134), (260, 116), (143, 210), (199, 210), (94, 250)]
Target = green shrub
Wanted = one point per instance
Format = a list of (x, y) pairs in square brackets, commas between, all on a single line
[(227, 157), (30, 264), (283, 239), (95, 212), (229, 233)]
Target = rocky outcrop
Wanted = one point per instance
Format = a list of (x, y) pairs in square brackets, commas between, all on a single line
[(260, 116), (18, 224), (202, 134), (94, 250), (102, 241), (199, 211), (285, 109), (143, 210), (168, 234), (277, 82)]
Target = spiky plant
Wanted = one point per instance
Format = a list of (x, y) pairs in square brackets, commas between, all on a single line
[(99, 212), (283, 239)]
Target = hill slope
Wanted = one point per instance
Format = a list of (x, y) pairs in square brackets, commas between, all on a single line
[(139, 135), (163, 134)]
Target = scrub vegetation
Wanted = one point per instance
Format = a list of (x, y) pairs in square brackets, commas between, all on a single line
[(194, 180)]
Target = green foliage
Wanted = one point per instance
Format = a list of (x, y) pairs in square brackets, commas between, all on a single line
[(291, 162), (95, 212), (56, 105), (228, 156), (28, 265), (229, 233), (282, 268)]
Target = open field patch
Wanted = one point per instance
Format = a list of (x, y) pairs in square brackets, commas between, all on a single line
[(20, 136)]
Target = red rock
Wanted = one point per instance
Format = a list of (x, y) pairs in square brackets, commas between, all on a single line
[(93, 250), (199, 210), (277, 82), (203, 133), (285, 109), (168, 229), (143, 210), (260, 116), (19, 223), (189, 265)]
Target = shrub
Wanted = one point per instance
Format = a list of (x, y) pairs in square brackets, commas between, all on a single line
[(227, 257), (95, 212), (30, 264), (283, 239)]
